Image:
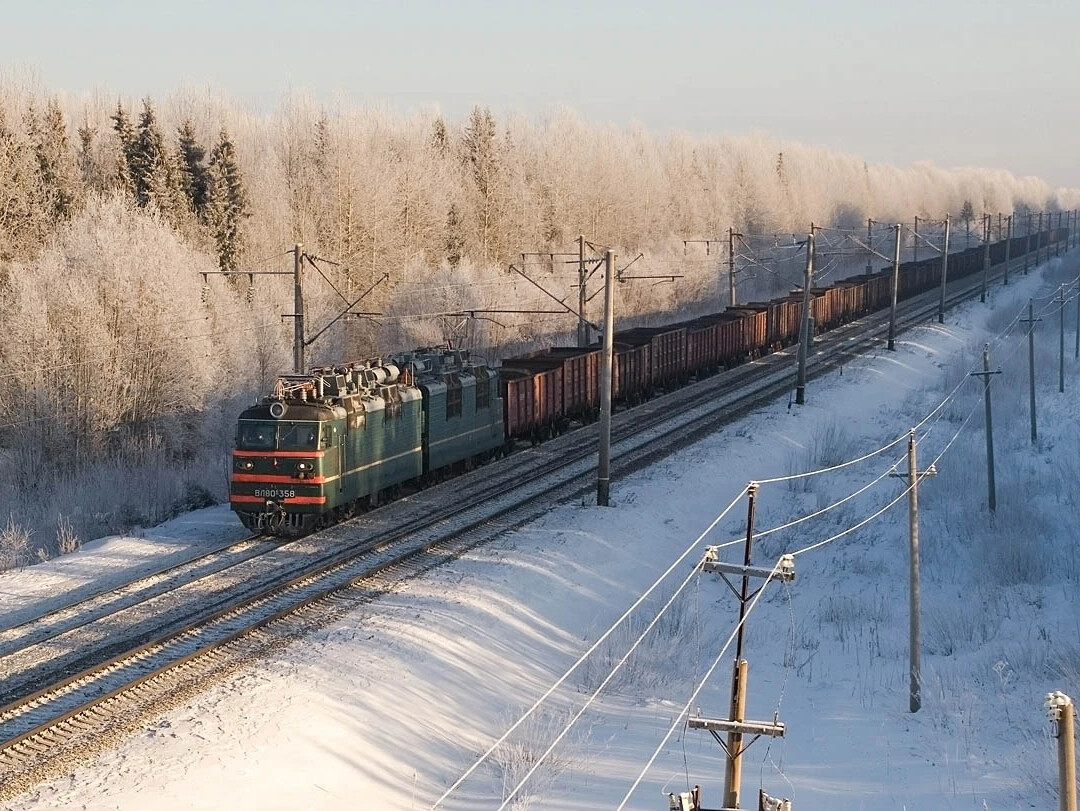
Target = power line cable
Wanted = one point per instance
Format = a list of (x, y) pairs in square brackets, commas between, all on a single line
[(693, 696), (591, 649)]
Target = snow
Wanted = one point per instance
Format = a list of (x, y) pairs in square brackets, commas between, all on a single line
[(387, 708)]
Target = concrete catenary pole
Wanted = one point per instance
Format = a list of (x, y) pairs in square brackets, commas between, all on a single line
[(298, 308), (1039, 241), (944, 273), (915, 241), (869, 244), (582, 326), (1008, 248), (895, 289), (986, 257), (1027, 247), (603, 478), (804, 327), (731, 265)]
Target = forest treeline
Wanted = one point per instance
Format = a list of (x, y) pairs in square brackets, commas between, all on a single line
[(126, 358)]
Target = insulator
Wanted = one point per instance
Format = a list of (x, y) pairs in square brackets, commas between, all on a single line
[(205, 293), (251, 294)]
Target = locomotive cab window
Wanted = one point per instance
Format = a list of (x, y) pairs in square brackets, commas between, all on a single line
[(298, 436), (264, 435), (253, 435)]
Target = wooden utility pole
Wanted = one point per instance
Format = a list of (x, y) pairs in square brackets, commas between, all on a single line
[(1008, 247), (804, 327), (582, 298), (298, 309), (1030, 320), (985, 375), (603, 476), (895, 287), (731, 264), (733, 771), (1060, 710), (1077, 353), (944, 273), (737, 725), (1061, 340), (913, 477), (986, 256)]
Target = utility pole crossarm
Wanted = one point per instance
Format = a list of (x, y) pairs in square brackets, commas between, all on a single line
[(774, 729), (783, 571)]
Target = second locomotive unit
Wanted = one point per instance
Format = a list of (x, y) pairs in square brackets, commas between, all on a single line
[(339, 438)]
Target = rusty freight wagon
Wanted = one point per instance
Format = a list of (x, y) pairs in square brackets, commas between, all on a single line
[(532, 401), (753, 330), (580, 376), (630, 373), (667, 352)]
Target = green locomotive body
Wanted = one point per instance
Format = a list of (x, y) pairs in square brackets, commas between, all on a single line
[(338, 440)]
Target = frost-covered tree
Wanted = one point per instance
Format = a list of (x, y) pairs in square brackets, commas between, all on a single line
[(125, 138), (482, 159), (227, 204), (440, 138), (967, 214), (155, 169), (455, 241), (58, 174), (22, 212), (194, 175)]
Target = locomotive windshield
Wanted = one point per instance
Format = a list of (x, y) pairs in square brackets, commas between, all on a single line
[(266, 435)]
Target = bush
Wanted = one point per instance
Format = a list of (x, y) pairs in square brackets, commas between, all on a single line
[(14, 545)]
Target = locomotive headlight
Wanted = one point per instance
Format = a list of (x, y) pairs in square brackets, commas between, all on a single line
[(302, 466), (244, 464)]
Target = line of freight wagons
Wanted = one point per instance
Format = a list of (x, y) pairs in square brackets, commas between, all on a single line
[(543, 391)]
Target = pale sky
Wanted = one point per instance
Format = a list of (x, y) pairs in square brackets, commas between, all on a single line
[(955, 82)]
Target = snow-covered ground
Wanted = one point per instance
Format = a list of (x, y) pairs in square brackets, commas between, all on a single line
[(387, 709)]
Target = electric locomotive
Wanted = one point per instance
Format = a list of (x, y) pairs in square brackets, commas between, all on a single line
[(339, 439)]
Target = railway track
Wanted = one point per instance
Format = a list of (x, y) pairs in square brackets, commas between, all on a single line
[(96, 603), (268, 600)]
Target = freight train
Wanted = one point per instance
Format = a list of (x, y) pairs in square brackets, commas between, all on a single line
[(340, 439)]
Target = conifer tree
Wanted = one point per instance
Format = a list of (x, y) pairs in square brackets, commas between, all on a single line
[(227, 203), (194, 176), (440, 138), (151, 167), (125, 135), (58, 176), (89, 170), (455, 243), (482, 159)]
